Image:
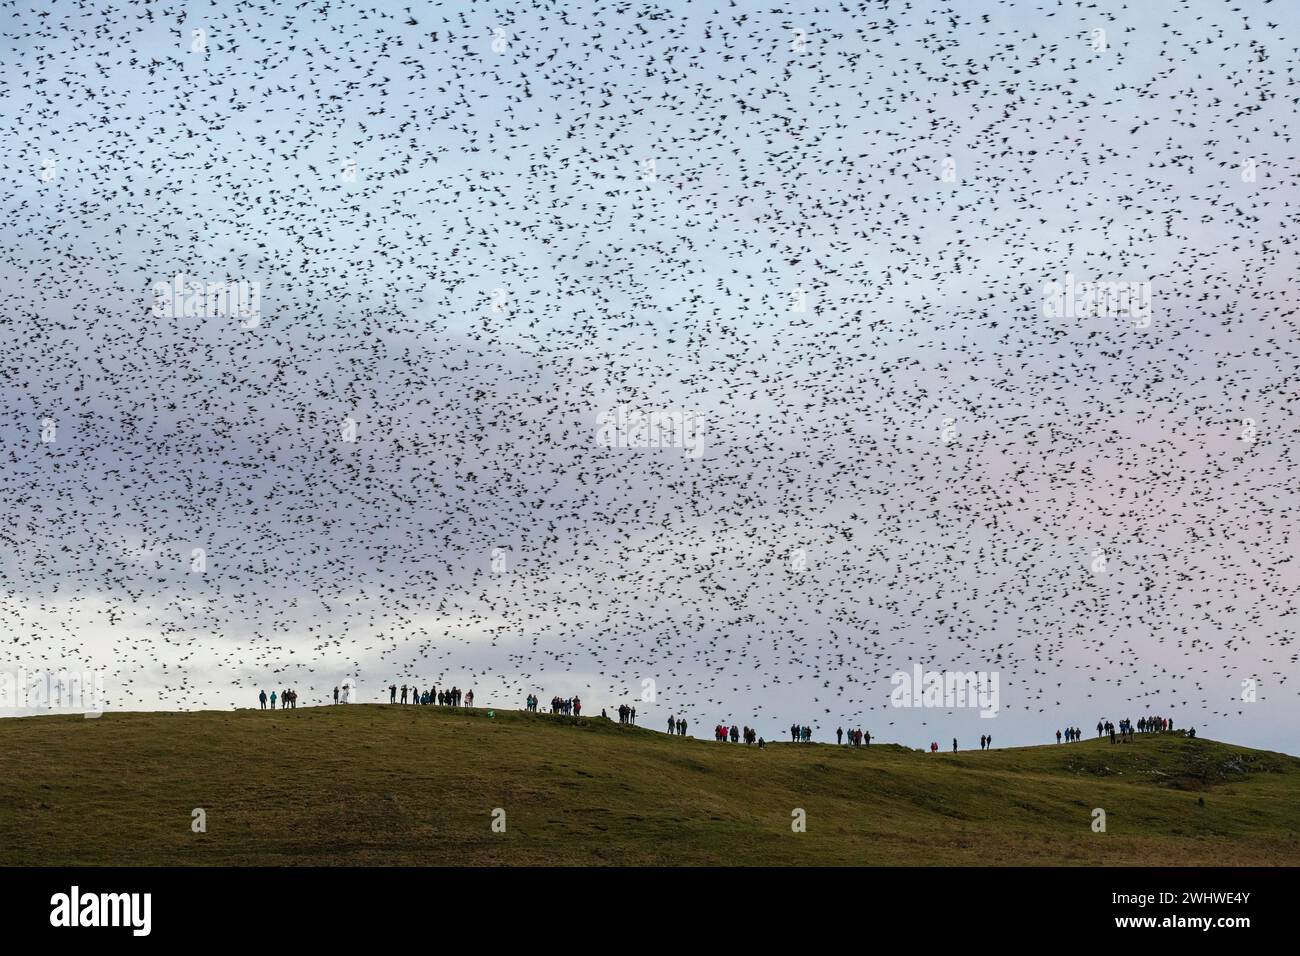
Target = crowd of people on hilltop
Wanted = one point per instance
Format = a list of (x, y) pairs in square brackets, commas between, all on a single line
[(286, 698), (857, 738), (566, 706), (722, 733), (452, 697), (1157, 725), (410, 694), (1123, 731)]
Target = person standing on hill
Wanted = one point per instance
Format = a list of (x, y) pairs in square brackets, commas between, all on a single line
[(273, 700), (262, 697), (954, 745), (839, 735), (336, 694)]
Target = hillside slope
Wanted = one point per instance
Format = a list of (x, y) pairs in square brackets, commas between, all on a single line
[(372, 784)]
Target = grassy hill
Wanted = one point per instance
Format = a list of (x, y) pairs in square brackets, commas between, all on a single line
[(373, 784)]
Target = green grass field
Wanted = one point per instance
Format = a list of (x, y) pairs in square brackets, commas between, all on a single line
[(377, 785)]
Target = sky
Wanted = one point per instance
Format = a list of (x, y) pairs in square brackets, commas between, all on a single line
[(821, 233)]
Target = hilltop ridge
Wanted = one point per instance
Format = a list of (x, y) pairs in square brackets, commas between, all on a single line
[(383, 784)]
